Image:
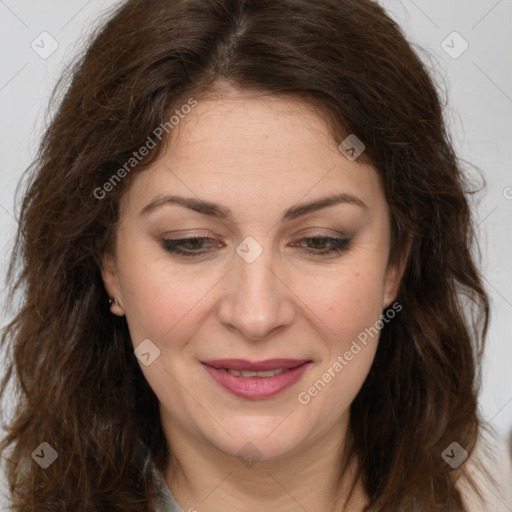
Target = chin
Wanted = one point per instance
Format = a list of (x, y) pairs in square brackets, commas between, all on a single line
[(262, 444)]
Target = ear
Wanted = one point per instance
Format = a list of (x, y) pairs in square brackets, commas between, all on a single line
[(394, 274), (110, 278)]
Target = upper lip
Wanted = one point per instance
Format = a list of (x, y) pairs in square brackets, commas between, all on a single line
[(255, 366)]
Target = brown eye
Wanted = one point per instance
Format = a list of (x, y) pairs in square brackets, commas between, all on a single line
[(324, 245), (189, 247)]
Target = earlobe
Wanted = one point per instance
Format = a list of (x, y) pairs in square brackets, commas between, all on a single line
[(392, 285), (394, 274), (110, 278)]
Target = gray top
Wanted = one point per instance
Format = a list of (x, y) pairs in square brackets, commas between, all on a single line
[(166, 501)]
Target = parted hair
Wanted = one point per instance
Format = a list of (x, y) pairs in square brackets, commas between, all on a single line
[(77, 383)]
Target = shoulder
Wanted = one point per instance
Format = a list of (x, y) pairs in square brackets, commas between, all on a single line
[(490, 466)]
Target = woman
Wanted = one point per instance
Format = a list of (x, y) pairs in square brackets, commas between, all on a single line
[(246, 259)]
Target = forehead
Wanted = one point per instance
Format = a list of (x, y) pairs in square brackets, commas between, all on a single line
[(250, 149)]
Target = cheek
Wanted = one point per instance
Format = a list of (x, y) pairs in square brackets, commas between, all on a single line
[(155, 299), (349, 308), (350, 301)]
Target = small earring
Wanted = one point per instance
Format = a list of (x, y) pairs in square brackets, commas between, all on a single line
[(113, 300)]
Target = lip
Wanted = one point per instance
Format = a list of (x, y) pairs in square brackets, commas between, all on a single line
[(255, 366), (256, 388)]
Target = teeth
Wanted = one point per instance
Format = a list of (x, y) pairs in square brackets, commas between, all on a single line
[(247, 373)]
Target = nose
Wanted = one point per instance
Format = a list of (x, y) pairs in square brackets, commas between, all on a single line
[(257, 302)]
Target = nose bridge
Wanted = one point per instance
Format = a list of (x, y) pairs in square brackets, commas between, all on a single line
[(257, 302)]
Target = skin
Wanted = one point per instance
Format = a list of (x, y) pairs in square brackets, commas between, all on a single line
[(257, 156)]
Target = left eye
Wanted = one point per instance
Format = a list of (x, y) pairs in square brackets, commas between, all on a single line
[(193, 247), (325, 245)]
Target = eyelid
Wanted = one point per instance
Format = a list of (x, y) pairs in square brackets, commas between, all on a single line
[(189, 233), (306, 233), (338, 246)]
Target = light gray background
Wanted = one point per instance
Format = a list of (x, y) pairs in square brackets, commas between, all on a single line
[(479, 90)]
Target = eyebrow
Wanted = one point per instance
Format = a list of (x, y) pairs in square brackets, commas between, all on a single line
[(216, 210)]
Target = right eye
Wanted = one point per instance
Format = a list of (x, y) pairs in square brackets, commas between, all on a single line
[(188, 247)]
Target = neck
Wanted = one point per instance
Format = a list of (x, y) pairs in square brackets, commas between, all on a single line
[(201, 477)]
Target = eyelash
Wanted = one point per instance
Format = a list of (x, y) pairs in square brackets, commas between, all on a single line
[(339, 245)]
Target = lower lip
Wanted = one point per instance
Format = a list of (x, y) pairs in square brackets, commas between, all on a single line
[(256, 388)]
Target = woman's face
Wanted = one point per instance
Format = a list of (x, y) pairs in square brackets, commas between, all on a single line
[(263, 282)]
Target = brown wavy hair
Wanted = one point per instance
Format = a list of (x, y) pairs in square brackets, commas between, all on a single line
[(78, 384)]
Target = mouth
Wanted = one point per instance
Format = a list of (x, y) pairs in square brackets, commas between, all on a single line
[(256, 379)]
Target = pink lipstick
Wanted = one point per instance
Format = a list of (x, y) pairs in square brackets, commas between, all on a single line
[(256, 380)]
